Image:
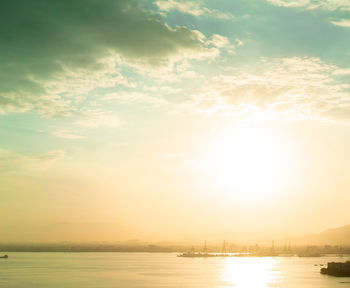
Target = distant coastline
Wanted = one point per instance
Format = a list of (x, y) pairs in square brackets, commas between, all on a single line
[(251, 250)]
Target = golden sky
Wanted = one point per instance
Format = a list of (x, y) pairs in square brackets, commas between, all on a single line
[(173, 120)]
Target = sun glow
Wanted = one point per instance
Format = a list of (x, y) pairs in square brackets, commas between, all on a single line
[(251, 163)]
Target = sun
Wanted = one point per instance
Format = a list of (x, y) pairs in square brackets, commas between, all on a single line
[(248, 162)]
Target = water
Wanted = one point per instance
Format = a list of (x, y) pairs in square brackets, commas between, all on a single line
[(145, 270)]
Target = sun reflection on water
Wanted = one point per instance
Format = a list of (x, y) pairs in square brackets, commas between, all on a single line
[(249, 272)]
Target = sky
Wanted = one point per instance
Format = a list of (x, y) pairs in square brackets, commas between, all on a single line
[(173, 120)]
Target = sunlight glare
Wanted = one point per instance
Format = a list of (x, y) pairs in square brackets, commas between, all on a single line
[(249, 272)]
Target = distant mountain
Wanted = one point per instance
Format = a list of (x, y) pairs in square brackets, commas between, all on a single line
[(334, 236)]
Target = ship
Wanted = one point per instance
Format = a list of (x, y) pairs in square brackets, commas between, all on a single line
[(338, 269), (193, 254), (197, 254), (204, 254)]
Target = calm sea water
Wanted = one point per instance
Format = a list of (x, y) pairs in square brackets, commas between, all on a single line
[(161, 270)]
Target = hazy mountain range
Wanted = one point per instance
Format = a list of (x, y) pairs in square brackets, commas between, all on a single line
[(333, 236)]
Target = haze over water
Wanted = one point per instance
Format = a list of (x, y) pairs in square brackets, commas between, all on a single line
[(154, 125), (146, 270)]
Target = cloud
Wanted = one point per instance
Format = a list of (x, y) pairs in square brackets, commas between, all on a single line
[(51, 53), (290, 88), (94, 118), (342, 71), (135, 97), (66, 134), (288, 3), (314, 4), (223, 42), (328, 5), (191, 7), (11, 161), (342, 23)]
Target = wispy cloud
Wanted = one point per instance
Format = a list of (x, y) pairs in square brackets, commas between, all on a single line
[(311, 4), (291, 88), (94, 118), (342, 71), (193, 8), (11, 161), (66, 134), (223, 42), (135, 97), (342, 23)]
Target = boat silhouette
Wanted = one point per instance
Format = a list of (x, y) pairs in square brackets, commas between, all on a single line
[(205, 254), (338, 269)]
